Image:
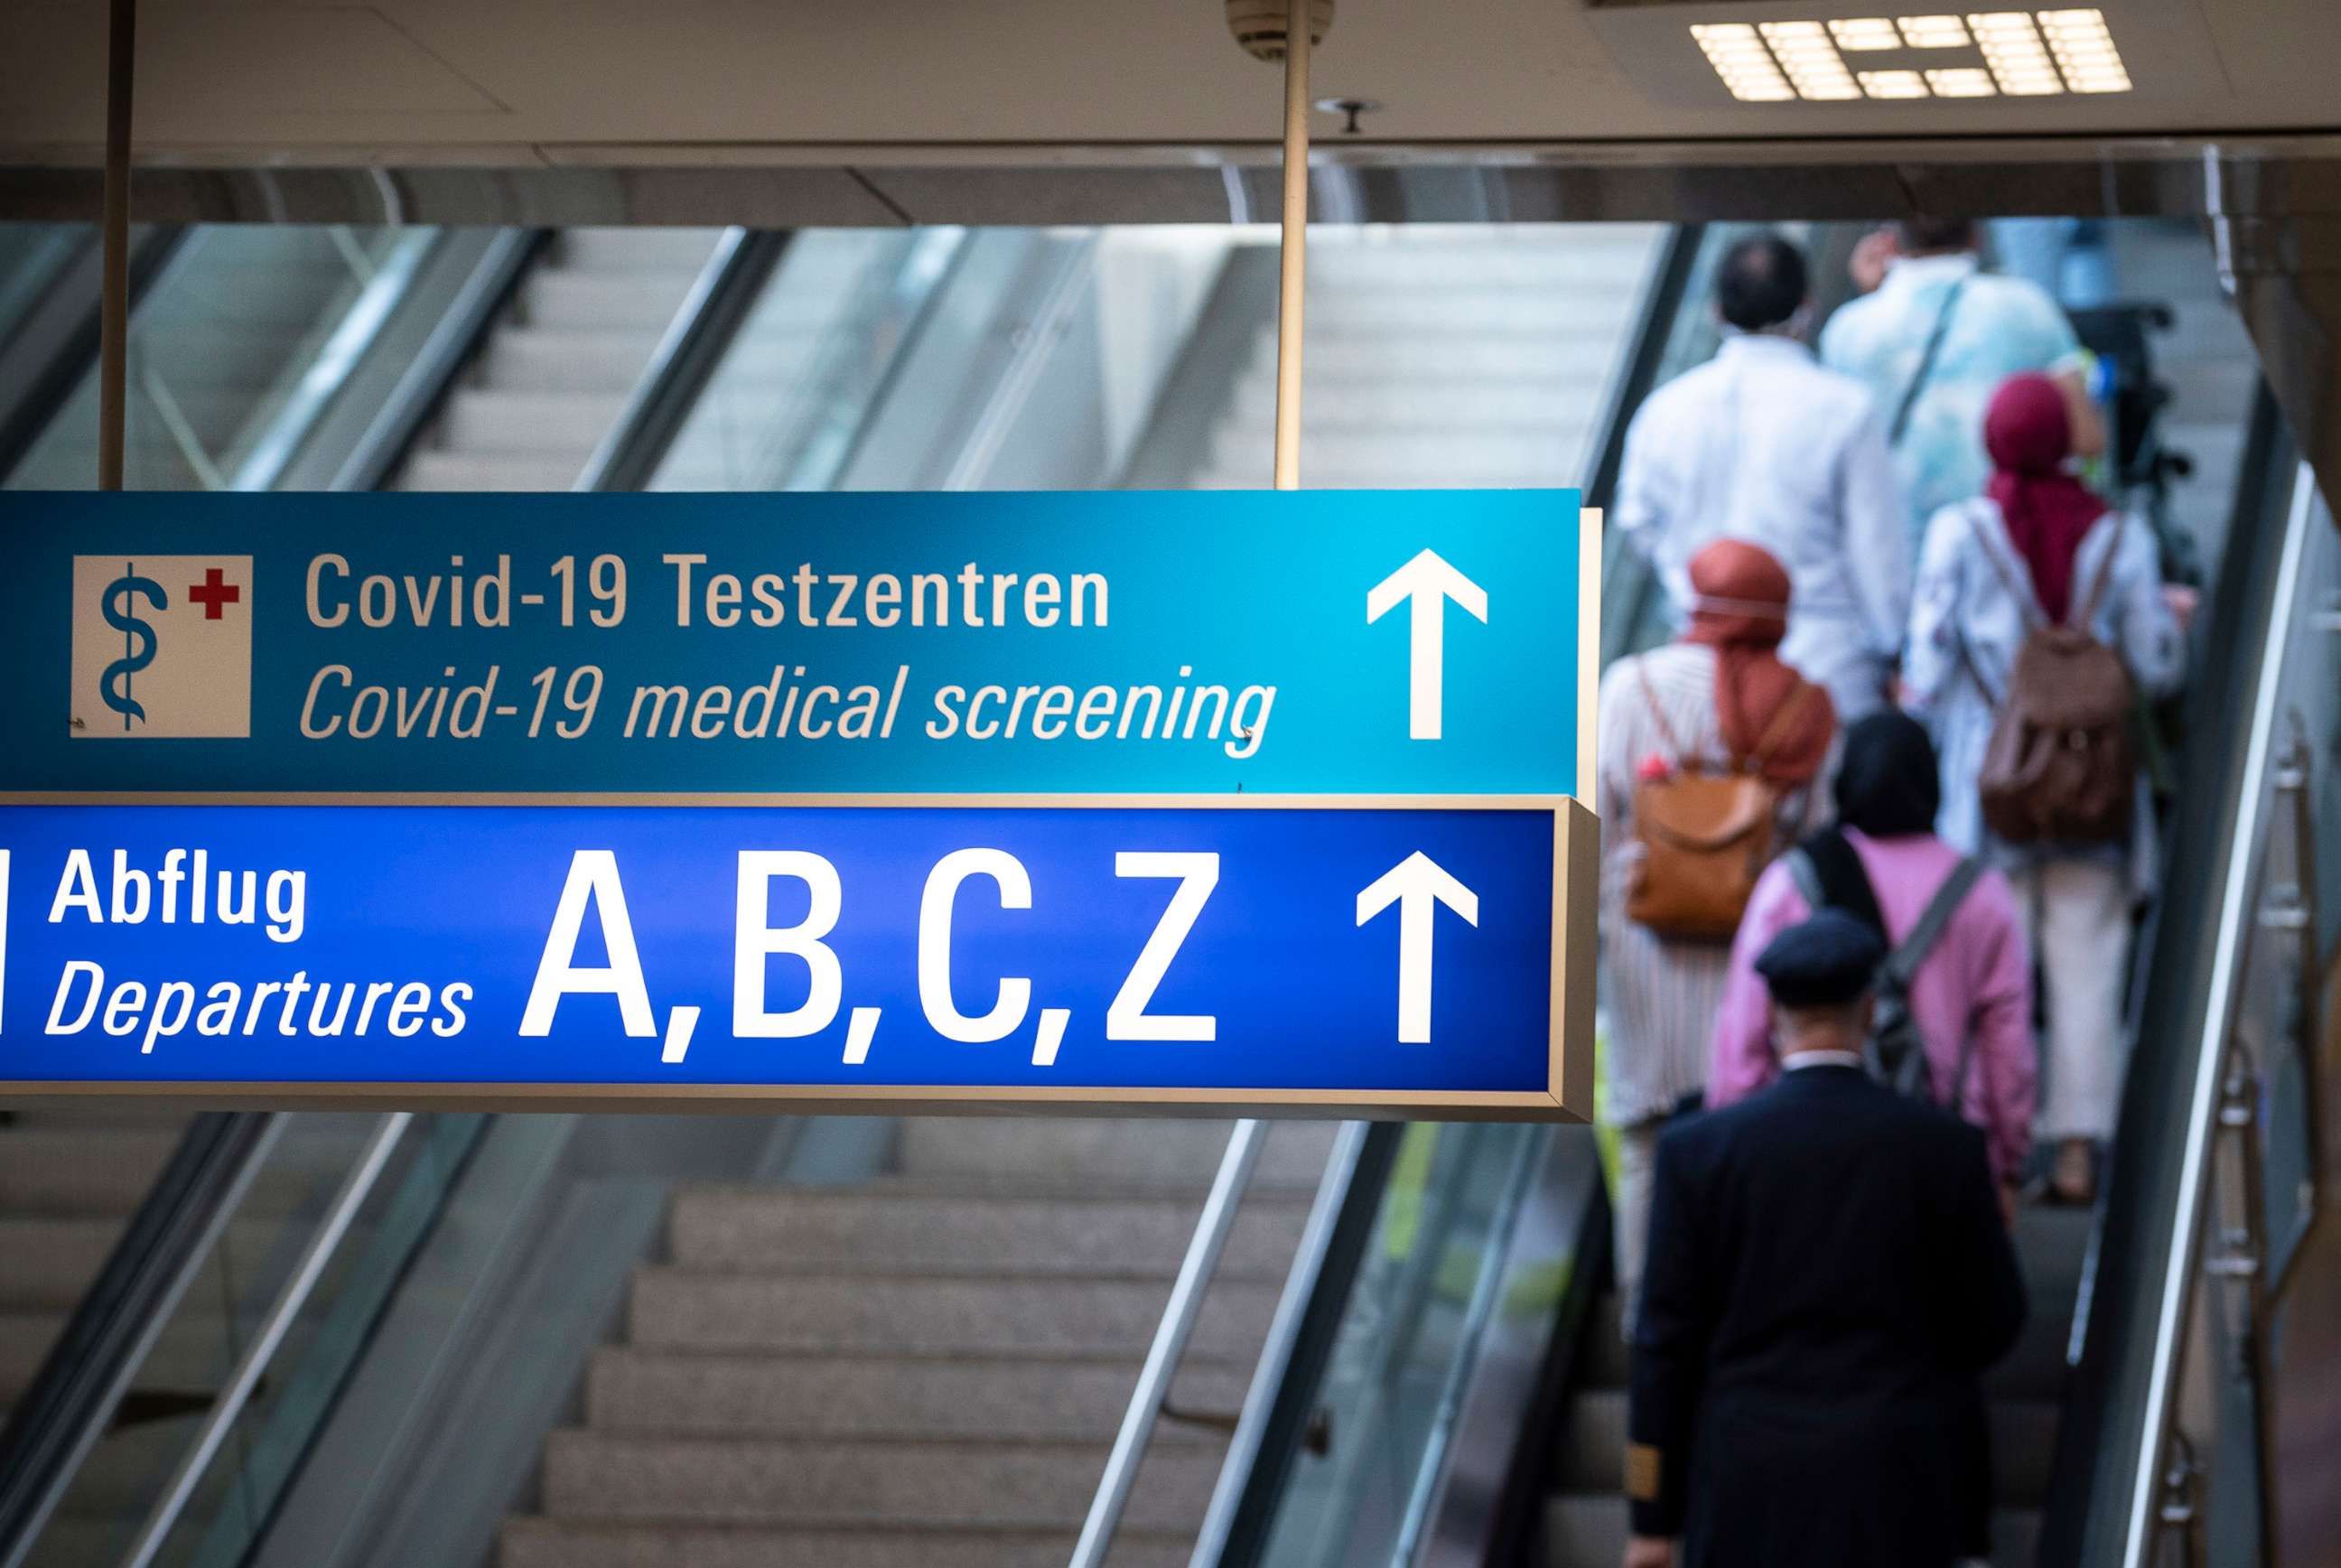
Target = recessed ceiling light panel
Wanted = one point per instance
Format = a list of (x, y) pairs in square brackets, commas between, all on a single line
[(1933, 32), (1941, 55), (1894, 85)]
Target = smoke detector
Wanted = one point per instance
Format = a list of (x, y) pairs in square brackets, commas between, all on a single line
[(1260, 24)]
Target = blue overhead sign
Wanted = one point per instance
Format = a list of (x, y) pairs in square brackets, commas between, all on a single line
[(1401, 958), (1349, 642)]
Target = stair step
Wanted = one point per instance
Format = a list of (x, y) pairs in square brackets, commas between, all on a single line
[(1583, 1531), (1592, 1456), (1242, 473), (504, 471), (683, 1309), (2052, 1244), (1579, 308), (560, 299), (559, 1543), (815, 1230), (2035, 1368), (1461, 457), (632, 249), (1405, 359), (633, 1390), (493, 419), (1605, 1359), (48, 1261), (1527, 400), (2023, 1450), (522, 358), (61, 1171), (847, 1481), (1523, 255), (1167, 1153)]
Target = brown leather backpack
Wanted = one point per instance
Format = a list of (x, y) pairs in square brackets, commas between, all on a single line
[(2062, 766), (1707, 832)]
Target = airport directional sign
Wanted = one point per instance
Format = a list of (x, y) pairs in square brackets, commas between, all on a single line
[(1338, 954), (1349, 642), (1131, 800)]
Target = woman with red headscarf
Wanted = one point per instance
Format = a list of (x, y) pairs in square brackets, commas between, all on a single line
[(2038, 547), (1717, 698)]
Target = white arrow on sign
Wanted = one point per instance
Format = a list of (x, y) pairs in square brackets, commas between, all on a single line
[(1412, 885), (1429, 582)]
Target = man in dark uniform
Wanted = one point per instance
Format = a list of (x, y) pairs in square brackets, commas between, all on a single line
[(1829, 1276)]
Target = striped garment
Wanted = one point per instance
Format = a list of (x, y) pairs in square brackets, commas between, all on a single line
[(1659, 996)]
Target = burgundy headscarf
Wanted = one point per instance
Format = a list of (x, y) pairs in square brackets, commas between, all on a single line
[(1742, 612), (2048, 510)]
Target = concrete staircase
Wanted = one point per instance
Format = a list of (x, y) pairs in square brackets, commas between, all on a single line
[(1446, 356), (1586, 1517), (556, 373), (923, 1368)]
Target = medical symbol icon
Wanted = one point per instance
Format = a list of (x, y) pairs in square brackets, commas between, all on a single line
[(138, 639), (161, 646)]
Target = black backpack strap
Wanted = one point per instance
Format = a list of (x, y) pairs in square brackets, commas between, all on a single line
[(1910, 404), (1902, 964)]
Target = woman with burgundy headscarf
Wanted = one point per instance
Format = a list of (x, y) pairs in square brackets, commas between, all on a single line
[(1717, 696), (2034, 548)]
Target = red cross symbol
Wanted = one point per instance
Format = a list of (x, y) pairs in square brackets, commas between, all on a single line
[(212, 593)]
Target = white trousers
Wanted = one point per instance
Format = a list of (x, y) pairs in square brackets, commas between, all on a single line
[(2076, 914), (1630, 1218)]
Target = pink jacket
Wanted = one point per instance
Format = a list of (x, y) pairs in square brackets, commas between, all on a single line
[(1973, 994)]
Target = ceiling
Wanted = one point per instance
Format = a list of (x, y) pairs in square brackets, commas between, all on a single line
[(595, 83)]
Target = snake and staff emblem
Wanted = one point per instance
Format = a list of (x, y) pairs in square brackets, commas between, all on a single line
[(118, 604)]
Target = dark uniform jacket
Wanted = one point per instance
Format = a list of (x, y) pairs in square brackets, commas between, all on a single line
[(1828, 1278)]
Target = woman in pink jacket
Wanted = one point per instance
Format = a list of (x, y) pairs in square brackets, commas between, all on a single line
[(1971, 998)]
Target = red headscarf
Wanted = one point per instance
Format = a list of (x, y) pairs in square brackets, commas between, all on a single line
[(1742, 612), (2029, 434)]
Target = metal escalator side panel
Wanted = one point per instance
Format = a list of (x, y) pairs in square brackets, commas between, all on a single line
[(2110, 1463)]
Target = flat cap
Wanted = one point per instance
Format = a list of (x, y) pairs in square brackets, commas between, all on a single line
[(1826, 961)]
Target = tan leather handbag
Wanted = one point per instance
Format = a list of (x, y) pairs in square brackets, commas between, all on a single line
[(1707, 832)]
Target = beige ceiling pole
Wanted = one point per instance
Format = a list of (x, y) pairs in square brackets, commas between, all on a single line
[(1296, 244), (113, 301)]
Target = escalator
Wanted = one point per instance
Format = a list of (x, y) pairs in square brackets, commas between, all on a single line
[(1489, 1426), (537, 1340)]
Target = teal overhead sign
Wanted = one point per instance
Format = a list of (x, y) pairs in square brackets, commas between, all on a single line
[(1353, 643)]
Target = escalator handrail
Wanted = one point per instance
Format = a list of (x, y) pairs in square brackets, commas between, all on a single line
[(1280, 1407), (326, 374), (914, 296), (420, 390), (2105, 1488), (50, 356), (317, 1252), (694, 345), (64, 1410), (1148, 1399)]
